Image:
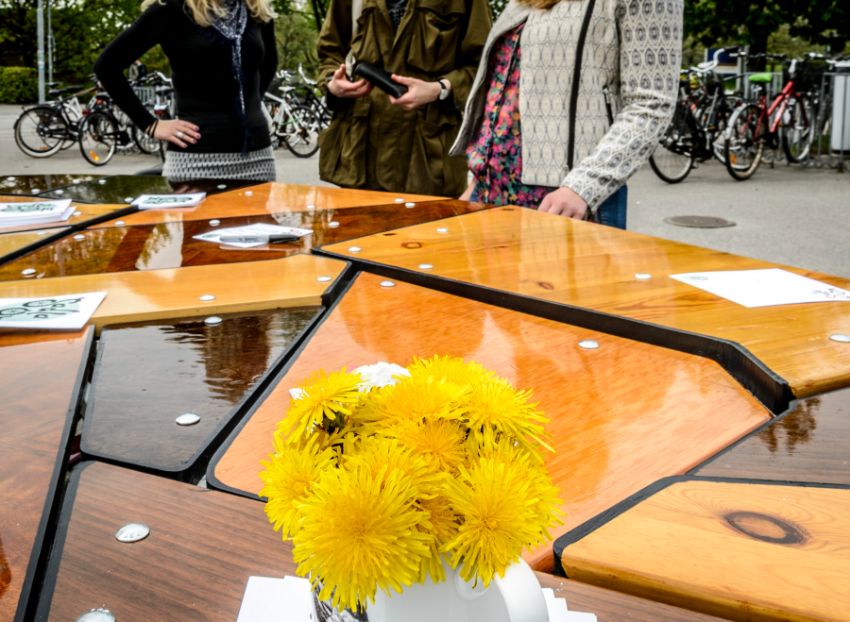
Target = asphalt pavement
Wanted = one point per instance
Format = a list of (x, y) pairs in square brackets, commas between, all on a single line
[(793, 215)]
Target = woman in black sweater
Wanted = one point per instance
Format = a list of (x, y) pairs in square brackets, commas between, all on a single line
[(223, 57)]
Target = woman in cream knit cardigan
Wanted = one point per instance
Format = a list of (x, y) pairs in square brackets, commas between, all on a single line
[(569, 100)]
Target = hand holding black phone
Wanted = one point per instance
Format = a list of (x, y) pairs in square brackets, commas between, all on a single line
[(379, 77)]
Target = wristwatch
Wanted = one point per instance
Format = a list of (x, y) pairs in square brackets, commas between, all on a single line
[(444, 88)]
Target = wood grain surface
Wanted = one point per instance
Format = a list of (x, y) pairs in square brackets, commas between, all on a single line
[(36, 184), (563, 261), (172, 244), (810, 443), (40, 372), (739, 550), (194, 564), (273, 198), (146, 375), (621, 416), (156, 294), (15, 242)]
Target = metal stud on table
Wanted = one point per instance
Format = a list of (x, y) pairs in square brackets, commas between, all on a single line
[(425, 266), (398, 200), (206, 297), (28, 272), (119, 223), (79, 237), (840, 337), (212, 320), (386, 284), (215, 222), (249, 193), (642, 276), (323, 279), (101, 182), (410, 204), (97, 615), (132, 532), (36, 190), (128, 199), (354, 249), (187, 419), (442, 230), (333, 224), (588, 344), (221, 186)]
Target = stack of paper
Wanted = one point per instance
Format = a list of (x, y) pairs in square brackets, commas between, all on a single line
[(35, 212), (167, 201), (65, 312)]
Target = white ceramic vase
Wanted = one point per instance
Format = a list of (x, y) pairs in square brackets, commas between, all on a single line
[(516, 597)]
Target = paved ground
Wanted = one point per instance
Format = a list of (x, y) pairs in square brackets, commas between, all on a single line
[(789, 214)]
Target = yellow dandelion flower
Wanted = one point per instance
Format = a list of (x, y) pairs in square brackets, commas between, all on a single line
[(361, 532), (439, 442), (289, 474), (378, 453), (496, 505), (450, 369), (420, 397), (494, 405), (325, 401), (443, 527)]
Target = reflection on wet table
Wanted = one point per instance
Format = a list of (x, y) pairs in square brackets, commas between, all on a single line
[(125, 188)]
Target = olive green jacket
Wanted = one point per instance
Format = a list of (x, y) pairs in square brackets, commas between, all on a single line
[(371, 143)]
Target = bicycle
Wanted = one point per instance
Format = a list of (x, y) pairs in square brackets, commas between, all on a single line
[(44, 129), (296, 127), (699, 120), (101, 132), (786, 121)]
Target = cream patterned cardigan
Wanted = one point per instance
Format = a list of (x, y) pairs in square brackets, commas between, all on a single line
[(593, 137)]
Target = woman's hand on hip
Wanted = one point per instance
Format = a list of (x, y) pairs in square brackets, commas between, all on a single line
[(419, 92), (564, 202), (181, 133), (340, 86)]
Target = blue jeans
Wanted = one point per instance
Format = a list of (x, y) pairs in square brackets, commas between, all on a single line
[(613, 211)]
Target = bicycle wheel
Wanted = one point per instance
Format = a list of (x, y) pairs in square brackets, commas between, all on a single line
[(145, 143), (674, 157), (98, 138), (40, 131), (744, 143), (301, 132), (797, 129)]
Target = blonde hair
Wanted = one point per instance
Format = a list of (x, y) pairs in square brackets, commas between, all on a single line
[(540, 4), (204, 10)]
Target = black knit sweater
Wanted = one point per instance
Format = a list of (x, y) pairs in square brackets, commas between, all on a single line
[(204, 84)]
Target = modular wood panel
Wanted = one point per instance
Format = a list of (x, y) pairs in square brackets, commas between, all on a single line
[(567, 262), (82, 214), (155, 294), (145, 376), (39, 381), (172, 244), (37, 184), (125, 188), (272, 198), (810, 443), (13, 243), (621, 416), (740, 550), (202, 548)]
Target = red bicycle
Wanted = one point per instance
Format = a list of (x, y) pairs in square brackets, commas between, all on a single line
[(785, 121)]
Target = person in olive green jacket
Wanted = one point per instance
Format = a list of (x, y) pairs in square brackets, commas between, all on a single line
[(400, 145)]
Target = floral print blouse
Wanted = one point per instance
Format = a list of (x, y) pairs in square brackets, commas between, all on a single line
[(495, 156)]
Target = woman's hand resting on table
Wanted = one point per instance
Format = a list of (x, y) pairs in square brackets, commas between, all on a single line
[(564, 202)]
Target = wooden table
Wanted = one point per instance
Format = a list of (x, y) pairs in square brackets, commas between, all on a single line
[(125, 188), (614, 430), (300, 280), (40, 383), (147, 375), (15, 244), (809, 443), (746, 551), (578, 271), (34, 185), (171, 244), (211, 542)]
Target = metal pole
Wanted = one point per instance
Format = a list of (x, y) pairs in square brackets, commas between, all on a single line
[(50, 41), (39, 23)]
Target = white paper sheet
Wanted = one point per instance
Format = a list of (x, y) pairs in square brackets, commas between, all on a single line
[(763, 288), (259, 229), (168, 201), (66, 312), (34, 212)]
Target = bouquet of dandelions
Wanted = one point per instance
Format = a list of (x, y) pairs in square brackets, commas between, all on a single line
[(376, 481)]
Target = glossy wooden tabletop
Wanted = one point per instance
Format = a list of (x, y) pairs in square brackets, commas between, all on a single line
[(272, 198), (39, 377), (567, 262), (810, 443), (37, 184), (16, 242), (740, 550), (202, 548), (172, 245), (147, 375), (294, 281), (621, 416), (125, 188)]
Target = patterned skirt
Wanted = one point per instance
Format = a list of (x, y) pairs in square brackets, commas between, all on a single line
[(254, 165)]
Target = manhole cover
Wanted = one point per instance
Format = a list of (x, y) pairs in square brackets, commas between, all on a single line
[(700, 222)]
